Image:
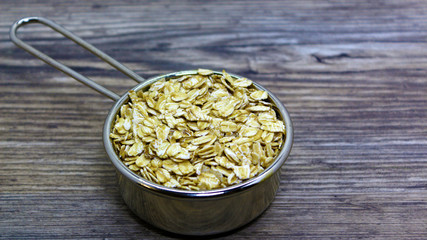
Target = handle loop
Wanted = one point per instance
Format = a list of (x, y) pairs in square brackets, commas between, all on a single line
[(61, 67)]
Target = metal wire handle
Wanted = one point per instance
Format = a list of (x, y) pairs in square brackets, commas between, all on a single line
[(61, 67)]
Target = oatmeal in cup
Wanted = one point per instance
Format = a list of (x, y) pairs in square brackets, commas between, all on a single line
[(198, 132)]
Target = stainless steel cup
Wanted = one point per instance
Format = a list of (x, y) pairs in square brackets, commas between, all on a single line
[(174, 210)]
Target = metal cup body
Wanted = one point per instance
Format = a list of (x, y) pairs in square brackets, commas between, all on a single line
[(197, 212), (198, 215)]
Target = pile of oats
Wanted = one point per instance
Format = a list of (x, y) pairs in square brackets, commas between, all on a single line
[(198, 132)]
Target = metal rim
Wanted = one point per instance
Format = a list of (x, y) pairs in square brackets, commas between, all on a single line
[(160, 189)]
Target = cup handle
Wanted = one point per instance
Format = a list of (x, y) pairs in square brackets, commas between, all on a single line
[(61, 67)]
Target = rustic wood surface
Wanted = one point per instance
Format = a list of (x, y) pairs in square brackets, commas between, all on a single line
[(351, 73)]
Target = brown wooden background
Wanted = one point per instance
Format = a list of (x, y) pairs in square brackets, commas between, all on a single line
[(351, 73)]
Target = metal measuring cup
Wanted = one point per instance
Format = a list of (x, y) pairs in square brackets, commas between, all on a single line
[(174, 210)]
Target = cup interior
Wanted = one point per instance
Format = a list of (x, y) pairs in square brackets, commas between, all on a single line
[(125, 171)]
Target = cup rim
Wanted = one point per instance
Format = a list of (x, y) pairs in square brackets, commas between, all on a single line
[(160, 189)]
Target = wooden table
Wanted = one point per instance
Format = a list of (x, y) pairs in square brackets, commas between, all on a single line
[(352, 74)]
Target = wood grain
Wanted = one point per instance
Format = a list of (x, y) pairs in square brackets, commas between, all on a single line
[(352, 74)]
